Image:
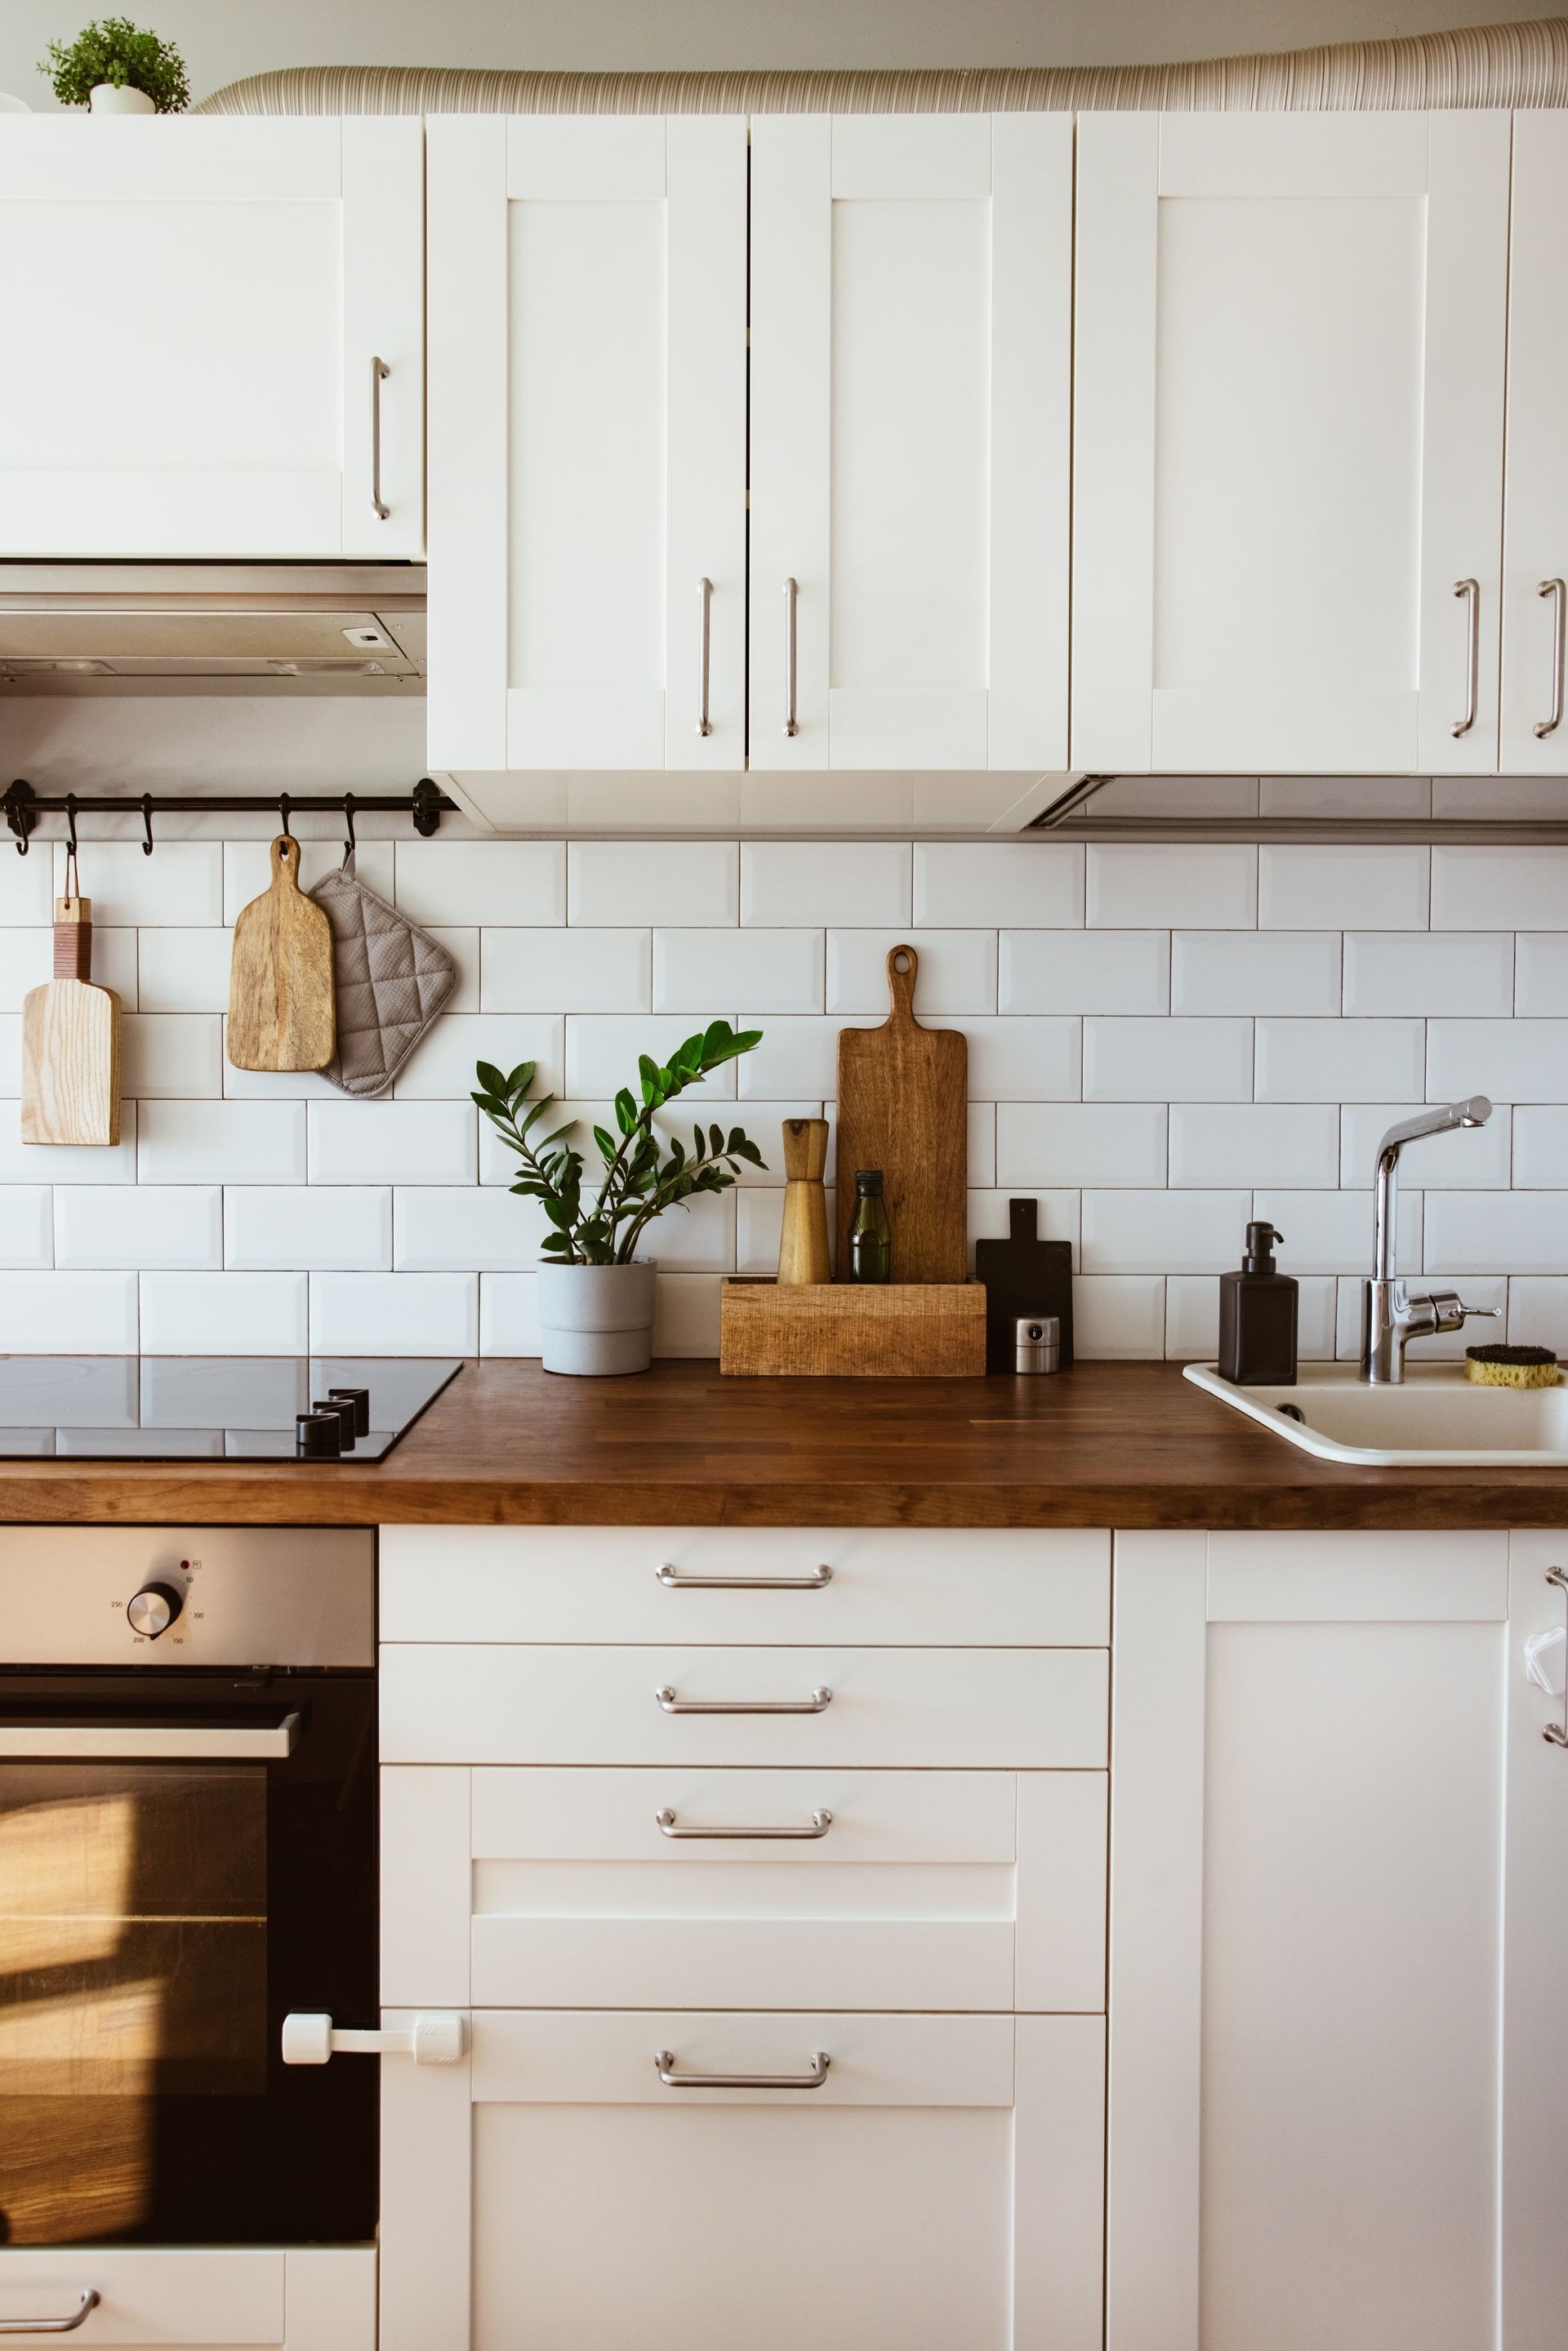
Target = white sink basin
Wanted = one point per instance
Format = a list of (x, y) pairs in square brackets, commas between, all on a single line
[(1436, 1419)]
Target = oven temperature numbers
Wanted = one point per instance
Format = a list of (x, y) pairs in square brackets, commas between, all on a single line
[(176, 1640)]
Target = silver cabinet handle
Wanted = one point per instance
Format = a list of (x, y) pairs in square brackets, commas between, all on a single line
[(816, 1704), (141, 1742), (790, 664), (674, 1580), (378, 374), (704, 654), (1559, 591), (1557, 1732), (1471, 590), (90, 2301), (664, 2062), (822, 1822)]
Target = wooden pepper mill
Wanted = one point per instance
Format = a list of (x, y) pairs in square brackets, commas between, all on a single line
[(803, 1239)]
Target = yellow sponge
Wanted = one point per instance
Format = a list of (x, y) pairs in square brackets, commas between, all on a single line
[(1512, 1367)]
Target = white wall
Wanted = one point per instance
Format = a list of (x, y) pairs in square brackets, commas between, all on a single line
[(222, 39), (1163, 1043)]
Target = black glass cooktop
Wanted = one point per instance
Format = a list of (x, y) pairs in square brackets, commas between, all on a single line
[(195, 1407)]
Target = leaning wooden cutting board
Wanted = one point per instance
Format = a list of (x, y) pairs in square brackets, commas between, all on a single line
[(904, 1106), (281, 1012), (71, 1043)]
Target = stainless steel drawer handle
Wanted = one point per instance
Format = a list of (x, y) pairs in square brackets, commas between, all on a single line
[(674, 1580), (1557, 1732), (140, 1742), (1558, 590), (1471, 590), (818, 1701), (378, 374), (90, 2301), (792, 659), (704, 654), (822, 1822), (664, 2061)]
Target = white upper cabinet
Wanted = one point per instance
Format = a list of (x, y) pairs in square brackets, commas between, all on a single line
[(587, 350), (1535, 541), (910, 387), (210, 326), (1289, 355)]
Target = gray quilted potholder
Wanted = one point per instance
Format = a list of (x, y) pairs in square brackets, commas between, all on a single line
[(390, 977)]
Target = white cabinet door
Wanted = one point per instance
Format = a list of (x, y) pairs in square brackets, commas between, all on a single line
[(587, 443), (1339, 1852), (942, 2185), (195, 312), (1290, 356), (910, 330), (1535, 540)]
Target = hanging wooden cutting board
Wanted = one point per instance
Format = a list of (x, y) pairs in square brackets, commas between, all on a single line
[(71, 1043), (903, 1103), (281, 1012)]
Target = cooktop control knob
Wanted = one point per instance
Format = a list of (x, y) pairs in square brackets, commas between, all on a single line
[(154, 1609)]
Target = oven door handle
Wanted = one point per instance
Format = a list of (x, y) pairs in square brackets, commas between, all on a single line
[(137, 1742), (90, 2298)]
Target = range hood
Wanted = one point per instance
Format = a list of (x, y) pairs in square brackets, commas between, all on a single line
[(212, 628)]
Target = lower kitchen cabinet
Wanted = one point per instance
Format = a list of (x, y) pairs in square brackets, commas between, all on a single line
[(940, 2186), (265, 2298)]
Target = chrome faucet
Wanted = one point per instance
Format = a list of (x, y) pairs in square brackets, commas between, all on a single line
[(1390, 1316)]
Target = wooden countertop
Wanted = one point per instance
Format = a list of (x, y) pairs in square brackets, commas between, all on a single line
[(1107, 1445)]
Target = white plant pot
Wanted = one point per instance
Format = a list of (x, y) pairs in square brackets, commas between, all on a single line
[(597, 1321), (108, 99)]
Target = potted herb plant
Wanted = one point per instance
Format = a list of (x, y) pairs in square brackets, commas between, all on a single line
[(114, 67), (596, 1294)]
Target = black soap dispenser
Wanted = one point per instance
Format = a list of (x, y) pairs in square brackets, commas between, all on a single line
[(1258, 1317)]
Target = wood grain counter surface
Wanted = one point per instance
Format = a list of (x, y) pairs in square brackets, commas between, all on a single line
[(1104, 1444)]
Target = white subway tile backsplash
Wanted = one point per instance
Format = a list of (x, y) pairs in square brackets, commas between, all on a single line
[(10, 1054), (602, 1051), (685, 1314), (180, 883), (26, 961), (1497, 1232), (1132, 886), (1540, 1147), (1167, 1060), (221, 1143), (171, 1056), (273, 1085), (1499, 889), (441, 1068), (1192, 1318), (1331, 1232), (1254, 1143), (784, 883), (1541, 972), (773, 971), (68, 1313), (654, 882), (60, 1162), (1119, 1315), (981, 1145), (1364, 887), (1084, 971), (438, 1230), (795, 1056), (1537, 1313), (758, 1223), (1511, 1061), (508, 1314), (392, 1143), (28, 889), (224, 1314), (956, 971), (964, 884), (1338, 1060), (119, 1228), (463, 945), (499, 884), (565, 971), (1161, 1232), (1021, 1061), (1255, 971), (1469, 1159), (1072, 1144), (28, 1230), (177, 970), (1429, 972), (247, 869), (325, 1228), (394, 1313)]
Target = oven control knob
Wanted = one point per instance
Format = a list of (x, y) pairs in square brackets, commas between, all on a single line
[(154, 1609)]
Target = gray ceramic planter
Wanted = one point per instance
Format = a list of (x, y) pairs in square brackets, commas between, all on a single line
[(597, 1321)]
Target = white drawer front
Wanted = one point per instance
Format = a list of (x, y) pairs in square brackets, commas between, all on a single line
[(943, 1587), (315, 2298), (1045, 1709)]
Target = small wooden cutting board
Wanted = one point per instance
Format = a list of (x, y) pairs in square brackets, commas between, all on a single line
[(904, 1106), (71, 1043), (281, 1013)]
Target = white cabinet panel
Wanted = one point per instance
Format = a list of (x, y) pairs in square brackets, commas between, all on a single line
[(202, 2297), (1536, 549), (588, 442), (909, 441), (214, 396), (947, 1587), (1290, 356)]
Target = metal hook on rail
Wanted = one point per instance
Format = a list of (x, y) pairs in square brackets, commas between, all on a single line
[(73, 880), (283, 810), (348, 826), (147, 824)]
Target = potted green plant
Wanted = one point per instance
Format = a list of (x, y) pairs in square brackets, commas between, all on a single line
[(596, 1294), (114, 67)]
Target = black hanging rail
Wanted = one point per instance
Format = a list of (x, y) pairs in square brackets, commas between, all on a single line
[(425, 805)]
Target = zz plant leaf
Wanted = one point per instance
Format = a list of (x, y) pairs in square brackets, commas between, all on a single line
[(642, 1176)]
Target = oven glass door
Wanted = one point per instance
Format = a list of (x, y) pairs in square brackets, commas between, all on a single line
[(184, 1858)]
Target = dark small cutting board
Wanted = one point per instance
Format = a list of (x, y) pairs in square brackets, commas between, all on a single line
[(1024, 1275)]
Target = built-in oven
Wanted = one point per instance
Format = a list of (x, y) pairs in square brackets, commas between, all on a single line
[(187, 1853)]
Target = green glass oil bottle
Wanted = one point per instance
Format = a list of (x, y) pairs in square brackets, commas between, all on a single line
[(871, 1235)]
